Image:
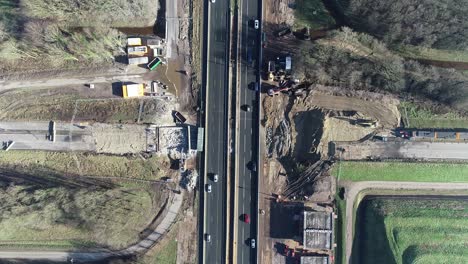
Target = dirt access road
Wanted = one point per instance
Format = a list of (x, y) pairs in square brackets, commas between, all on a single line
[(353, 190), (134, 74)]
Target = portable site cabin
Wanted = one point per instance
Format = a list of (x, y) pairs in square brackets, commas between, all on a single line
[(138, 60), (137, 50), (134, 42), (132, 90)]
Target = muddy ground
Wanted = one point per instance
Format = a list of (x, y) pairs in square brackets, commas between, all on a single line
[(298, 131)]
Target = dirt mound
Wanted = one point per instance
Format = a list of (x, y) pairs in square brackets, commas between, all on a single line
[(302, 127)]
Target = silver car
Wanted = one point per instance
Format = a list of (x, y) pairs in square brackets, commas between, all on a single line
[(208, 238), (252, 243), (256, 24), (213, 1), (215, 178), (208, 188)]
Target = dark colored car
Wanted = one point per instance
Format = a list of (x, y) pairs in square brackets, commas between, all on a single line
[(252, 166), (249, 56)]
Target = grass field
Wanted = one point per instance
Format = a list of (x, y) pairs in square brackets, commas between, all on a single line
[(414, 116), (417, 52), (313, 14), (164, 252), (401, 171), (60, 216), (406, 230), (45, 164), (340, 234)]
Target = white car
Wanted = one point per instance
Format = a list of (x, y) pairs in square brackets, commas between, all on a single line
[(215, 178), (256, 24), (213, 1), (252, 243), (208, 188)]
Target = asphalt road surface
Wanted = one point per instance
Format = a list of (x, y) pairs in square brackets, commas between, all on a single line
[(247, 139), (216, 131), (405, 150)]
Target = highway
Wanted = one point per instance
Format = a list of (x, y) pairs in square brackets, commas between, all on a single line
[(216, 130), (248, 146)]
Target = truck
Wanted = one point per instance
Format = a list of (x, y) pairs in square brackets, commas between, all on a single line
[(132, 90), (179, 117), (154, 63)]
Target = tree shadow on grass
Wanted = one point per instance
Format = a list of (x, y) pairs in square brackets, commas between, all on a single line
[(44, 177), (371, 244)]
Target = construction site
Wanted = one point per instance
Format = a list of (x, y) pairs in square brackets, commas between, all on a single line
[(308, 128)]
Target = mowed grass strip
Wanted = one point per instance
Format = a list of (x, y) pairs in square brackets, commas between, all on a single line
[(401, 171), (418, 52), (416, 116), (44, 163), (409, 230)]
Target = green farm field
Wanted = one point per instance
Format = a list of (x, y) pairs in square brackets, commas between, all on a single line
[(403, 231), (401, 171)]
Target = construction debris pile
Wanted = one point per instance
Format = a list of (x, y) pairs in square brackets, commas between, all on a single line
[(302, 187), (279, 143), (189, 179), (172, 141)]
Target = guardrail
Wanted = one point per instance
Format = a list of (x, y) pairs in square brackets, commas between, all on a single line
[(202, 122), (259, 115)]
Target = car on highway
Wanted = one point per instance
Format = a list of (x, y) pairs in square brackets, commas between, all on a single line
[(246, 218), (249, 56), (252, 243), (247, 108), (256, 24), (208, 188), (252, 166), (213, 1), (208, 238), (215, 177)]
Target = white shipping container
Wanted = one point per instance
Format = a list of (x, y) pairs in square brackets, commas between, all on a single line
[(138, 60)]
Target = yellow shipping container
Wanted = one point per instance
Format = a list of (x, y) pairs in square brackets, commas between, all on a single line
[(133, 90)]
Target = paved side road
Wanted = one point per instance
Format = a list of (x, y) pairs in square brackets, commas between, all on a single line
[(355, 188), (68, 81), (82, 257)]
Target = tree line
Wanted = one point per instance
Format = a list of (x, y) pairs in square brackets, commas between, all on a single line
[(359, 61)]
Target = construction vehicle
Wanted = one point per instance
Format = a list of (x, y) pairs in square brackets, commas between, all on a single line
[(277, 90), (283, 32), (179, 117), (133, 90), (306, 33), (366, 123), (154, 63)]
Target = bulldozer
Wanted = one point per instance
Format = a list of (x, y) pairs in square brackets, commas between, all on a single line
[(366, 123)]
